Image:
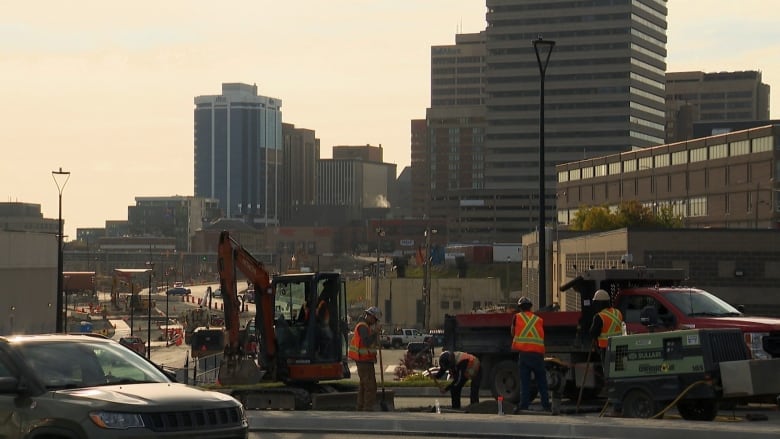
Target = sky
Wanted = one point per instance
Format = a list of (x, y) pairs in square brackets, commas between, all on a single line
[(105, 90)]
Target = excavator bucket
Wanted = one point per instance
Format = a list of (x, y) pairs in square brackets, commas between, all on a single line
[(241, 371)]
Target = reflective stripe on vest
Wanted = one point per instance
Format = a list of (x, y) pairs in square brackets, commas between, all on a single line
[(358, 350), (610, 325), (529, 333)]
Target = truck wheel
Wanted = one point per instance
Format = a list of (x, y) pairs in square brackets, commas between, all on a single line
[(506, 381), (639, 404), (698, 409)]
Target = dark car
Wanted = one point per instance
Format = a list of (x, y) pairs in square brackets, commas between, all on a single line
[(136, 344), (87, 386), (179, 291)]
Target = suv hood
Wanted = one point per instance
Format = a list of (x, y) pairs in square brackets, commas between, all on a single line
[(172, 396), (746, 324)]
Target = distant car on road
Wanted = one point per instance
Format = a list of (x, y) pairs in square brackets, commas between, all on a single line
[(179, 291), (86, 386), (135, 344)]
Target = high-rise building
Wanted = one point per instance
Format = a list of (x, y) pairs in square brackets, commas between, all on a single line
[(693, 97), (238, 144), (300, 153), (604, 94)]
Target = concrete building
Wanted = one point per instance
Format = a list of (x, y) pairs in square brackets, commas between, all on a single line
[(693, 97), (26, 217), (175, 217), (28, 282), (604, 93), (356, 188), (401, 299), (741, 267), (724, 181), (238, 145)]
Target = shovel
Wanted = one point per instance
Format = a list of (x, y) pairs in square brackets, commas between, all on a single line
[(383, 402)]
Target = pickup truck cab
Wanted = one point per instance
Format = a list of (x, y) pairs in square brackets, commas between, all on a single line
[(670, 308), (402, 337)]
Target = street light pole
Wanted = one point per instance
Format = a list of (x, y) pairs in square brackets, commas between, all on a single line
[(149, 270), (427, 278), (380, 232), (543, 49), (60, 179)]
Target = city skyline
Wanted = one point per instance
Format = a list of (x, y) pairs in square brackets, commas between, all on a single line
[(108, 94)]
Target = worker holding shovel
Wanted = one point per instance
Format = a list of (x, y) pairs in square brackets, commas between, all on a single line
[(462, 367), (363, 350)]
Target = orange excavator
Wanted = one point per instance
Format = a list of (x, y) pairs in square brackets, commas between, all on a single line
[(300, 320)]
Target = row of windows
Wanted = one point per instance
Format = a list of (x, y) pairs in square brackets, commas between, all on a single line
[(712, 152)]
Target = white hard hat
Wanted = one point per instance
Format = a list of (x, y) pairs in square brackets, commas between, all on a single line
[(601, 295), (374, 311), (524, 301)]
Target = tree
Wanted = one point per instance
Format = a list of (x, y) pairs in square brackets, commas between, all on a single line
[(628, 214)]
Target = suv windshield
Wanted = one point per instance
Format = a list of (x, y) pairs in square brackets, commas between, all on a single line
[(695, 302), (86, 363)]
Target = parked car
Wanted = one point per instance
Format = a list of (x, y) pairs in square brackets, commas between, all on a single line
[(136, 344), (88, 386)]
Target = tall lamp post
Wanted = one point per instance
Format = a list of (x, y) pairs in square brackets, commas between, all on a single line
[(427, 278), (60, 179), (150, 269), (543, 49), (380, 233)]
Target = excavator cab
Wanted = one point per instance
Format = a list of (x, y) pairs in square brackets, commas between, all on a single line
[(310, 326)]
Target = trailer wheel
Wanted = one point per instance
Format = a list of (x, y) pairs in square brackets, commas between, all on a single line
[(639, 404), (506, 382), (698, 409)]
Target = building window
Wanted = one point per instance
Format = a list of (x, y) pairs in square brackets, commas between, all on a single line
[(762, 144), (698, 155), (445, 304), (574, 174), (646, 163), (739, 148), (661, 161), (679, 158), (601, 170), (698, 206), (563, 176), (587, 172), (629, 165), (614, 168), (719, 151)]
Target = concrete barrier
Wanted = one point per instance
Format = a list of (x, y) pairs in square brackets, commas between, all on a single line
[(347, 401)]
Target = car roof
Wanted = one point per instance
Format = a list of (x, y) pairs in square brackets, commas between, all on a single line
[(34, 338)]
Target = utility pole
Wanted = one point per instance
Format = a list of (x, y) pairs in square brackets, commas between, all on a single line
[(380, 232)]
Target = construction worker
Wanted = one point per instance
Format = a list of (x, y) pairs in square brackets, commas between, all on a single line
[(327, 299), (363, 349), (462, 367), (528, 341), (607, 322)]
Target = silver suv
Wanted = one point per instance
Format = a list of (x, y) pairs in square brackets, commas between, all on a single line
[(86, 386)]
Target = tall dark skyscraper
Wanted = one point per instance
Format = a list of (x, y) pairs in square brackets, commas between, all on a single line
[(604, 94), (238, 143)]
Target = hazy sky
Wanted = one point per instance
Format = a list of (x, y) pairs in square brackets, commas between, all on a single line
[(105, 89)]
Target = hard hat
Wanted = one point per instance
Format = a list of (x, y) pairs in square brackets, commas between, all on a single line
[(524, 301), (446, 359), (601, 295), (374, 311)]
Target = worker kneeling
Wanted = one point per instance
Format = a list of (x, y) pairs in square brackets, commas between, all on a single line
[(462, 367)]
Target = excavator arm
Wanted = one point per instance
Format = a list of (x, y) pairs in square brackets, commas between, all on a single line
[(236, 367)]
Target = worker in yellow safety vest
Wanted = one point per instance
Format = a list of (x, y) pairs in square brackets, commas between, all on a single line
[(528, 341)]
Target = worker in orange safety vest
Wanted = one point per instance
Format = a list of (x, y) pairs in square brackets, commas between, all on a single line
[(363, 350), (528, 341)]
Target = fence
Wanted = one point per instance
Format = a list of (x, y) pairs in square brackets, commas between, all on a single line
[(200, 371)]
